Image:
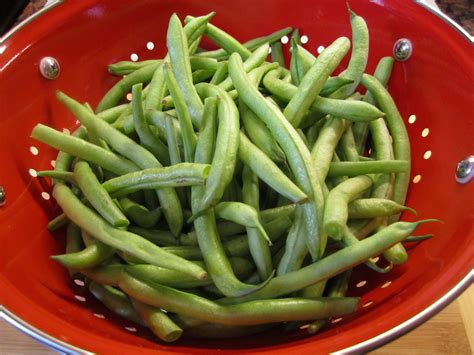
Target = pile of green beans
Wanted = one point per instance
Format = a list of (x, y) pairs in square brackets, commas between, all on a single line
[(233, 194)]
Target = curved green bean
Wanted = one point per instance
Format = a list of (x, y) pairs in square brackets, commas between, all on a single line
[(178, 52), (97, 195), (297, 153), (251, 313), (119, 239), (224, 160), (314, 80), (139, 214), (268, 171), (375, 207), (169, 201), (336, 209)]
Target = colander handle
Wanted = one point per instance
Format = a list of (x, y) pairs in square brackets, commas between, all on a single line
[(49, 5)]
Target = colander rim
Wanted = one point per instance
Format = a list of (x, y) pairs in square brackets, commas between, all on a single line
[(364, 346)]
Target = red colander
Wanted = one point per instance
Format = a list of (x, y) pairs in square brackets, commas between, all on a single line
[(434, 93)]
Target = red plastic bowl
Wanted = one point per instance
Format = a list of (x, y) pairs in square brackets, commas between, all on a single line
[(434, 85)]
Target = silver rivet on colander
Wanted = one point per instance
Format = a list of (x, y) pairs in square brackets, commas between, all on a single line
[(3, 196), (49, 68), (402, 49), (465, 170)]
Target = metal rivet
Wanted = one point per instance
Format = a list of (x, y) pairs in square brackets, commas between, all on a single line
[(465, 170), (402, 49), (3, 196), (49, 68)]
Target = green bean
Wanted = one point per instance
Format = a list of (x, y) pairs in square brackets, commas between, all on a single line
[(351, 110), (382, 146), (203, 63), (156, 91), (121, 240), (126, 67), (58, 175), (147, 138), (92, 255), (348, 146), (111, 114), (220, 74), (375, 207), (83, 149), (57, 222), (359, 56), (64, 160), (74, 240), (400, 140), (213, 252), (97, 195), (241, 213), (259, 249), (251, 313), (169, 201), (158, 321), (295, 247), (202, 75), (196, 27), (364, 158), (139, 214), (236, 246), (255, 60), (224, 160), (333, 264), (259, 133), (224, 228), (250, 188), (122, 87), (224, 40), (337, 288), (189, 137), (313, 81), (157, 119), (108, 274), (277, 212), (297, 154), (352, 168), (268, 171), (336, 209), (253, 44), (349, 239), (305, 58), (183, 174), (175, 279), (188, 252), (419, 238), (382, 73), (297, 68), (178, 51), (273, 37), (277, 53), (172, 141), (115, 300), (323, 149), (159, 237)]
